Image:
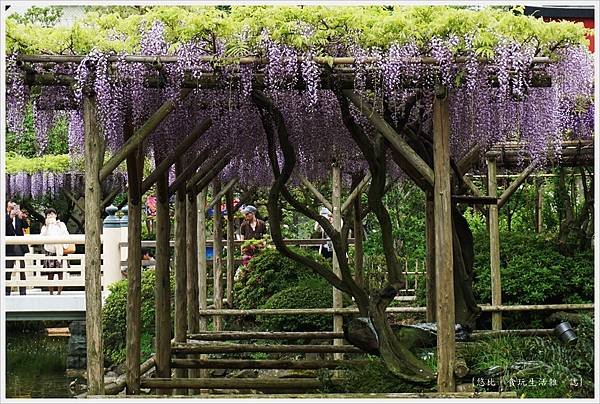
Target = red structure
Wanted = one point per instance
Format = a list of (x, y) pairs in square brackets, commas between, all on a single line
[(583, 14)]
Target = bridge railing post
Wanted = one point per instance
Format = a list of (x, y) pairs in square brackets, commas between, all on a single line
[(111, 260)]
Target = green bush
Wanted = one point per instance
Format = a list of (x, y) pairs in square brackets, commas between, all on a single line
[(114, 317), (267, 274), (309, 293)]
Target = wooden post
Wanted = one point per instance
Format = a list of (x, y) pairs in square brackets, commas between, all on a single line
[(430, 291), (230, 247), (202, 285), (443, 245), (217, 262), (134, 266), (94, 153), (359, 275), (494, 243), (180, 269), (336, 203), (539, 205), (192, 273), (162, 291)]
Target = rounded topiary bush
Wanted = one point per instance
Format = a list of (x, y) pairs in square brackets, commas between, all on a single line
[(114, 317), (309, 293), (267, 274)]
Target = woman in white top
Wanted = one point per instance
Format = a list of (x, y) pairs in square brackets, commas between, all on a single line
[(54, 228)]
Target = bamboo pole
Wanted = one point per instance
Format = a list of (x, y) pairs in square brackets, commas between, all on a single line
[(217, 262), (336, 202), (162, 283), (180, 269), (315, 192), (134, 266), (230, 247), (266, 364), (190, 348), (138, 137), (192, 273), (94, 152), (494, 243), (443, 245)]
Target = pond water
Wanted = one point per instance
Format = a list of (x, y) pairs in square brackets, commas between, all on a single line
[(35, 366)]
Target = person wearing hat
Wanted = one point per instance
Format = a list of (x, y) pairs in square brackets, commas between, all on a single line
[(252, 227), (326, 249)]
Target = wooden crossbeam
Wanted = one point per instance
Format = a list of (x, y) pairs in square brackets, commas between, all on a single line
[(356, 192), (138, 137), (315, 192), (222, 193), (210, 174), (475, 200), (189, 171), (508, 192)]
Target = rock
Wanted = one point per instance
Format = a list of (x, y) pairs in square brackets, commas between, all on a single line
[(111, 374), (361, 333)]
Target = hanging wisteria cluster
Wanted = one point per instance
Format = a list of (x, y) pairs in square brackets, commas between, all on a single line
[(490, 101)]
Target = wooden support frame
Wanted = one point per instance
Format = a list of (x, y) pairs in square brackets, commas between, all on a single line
[(230, 240), (138, 137), (209, 170), (223, 191), (134, 266), (515, 185), (336, 203), (444, 270), (202, 267), (94, 154), (180, 269), (494, 242), (217, 260), (190, 169), (356, 192), (315, 192), (193, 308), (430, 285), (412, 159)]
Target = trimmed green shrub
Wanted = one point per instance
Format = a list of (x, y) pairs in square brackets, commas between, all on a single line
[(267, 274), (114, 317), (309, 293)]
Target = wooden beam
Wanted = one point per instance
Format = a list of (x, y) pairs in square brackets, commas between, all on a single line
[(247, 335), (206, 173), (359, 275), (223, 191), (234, 383), (217, 261), (181, 148), (475, 200), (315, 192), (430, 289), (180, 269), (356, 192), (202, 268), (494, 243), (395, 140), (109, 198), (188, 348), (245, 198), (230, 240), (193, 316), (162, 290), (189, 171), (336, 203), (135, 165), (71, 197), (474, 189), (140, 134), (443, 246), (267, 364), (468, 160), (94, 153), (515, 185)]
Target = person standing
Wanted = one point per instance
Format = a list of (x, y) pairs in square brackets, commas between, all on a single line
[(252, 227), (14, 226), (54, 228)]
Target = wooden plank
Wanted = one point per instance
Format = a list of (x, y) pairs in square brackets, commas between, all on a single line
[(94, 153), (138, 137), (242, 335), (162, 283), (266, 364), (230, 247), (188, 348), (443, 246), (217, 261), (494, 243), (134, 266)]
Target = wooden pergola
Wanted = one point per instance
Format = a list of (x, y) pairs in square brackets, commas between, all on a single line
[(190, 188)]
